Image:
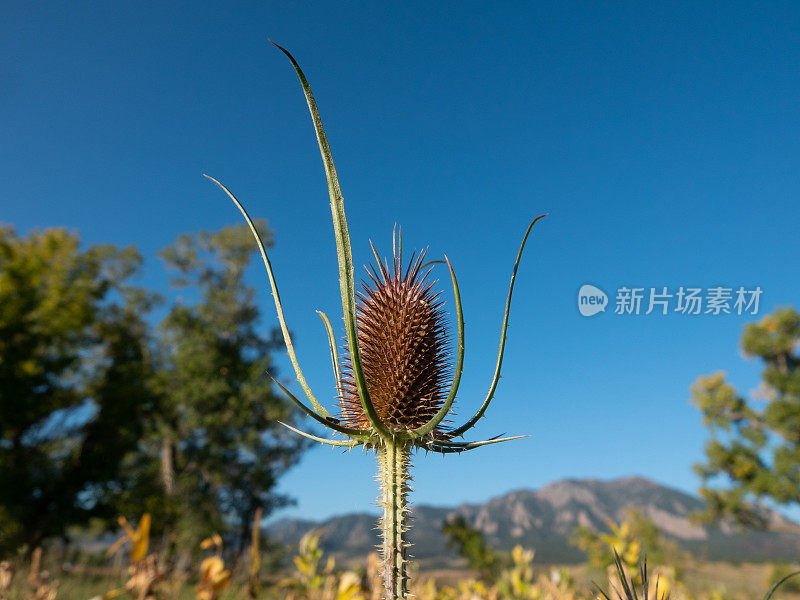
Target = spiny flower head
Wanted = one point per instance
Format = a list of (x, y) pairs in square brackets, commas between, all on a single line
[(403, 340)]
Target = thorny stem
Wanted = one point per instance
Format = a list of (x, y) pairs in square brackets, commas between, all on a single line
[(394, 463)]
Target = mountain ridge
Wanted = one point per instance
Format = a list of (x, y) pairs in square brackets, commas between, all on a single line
[(544, 519)]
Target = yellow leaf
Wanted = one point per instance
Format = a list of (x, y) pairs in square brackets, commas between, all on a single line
[(211, 567), (113, 593), (141, 539)]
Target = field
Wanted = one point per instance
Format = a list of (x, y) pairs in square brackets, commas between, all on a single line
[(313, 576)]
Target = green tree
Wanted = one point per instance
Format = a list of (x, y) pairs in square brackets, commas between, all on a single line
[(213, 451), (106, 414), (471, 545), (754, 453), (67, 333)]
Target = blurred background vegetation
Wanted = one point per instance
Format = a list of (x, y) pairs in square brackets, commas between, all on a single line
[(121, 413), (110, 411)]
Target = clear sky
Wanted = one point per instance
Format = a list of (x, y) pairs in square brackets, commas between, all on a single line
[(662, 138)]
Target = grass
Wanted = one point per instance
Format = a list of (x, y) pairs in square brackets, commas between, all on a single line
[(702, 581)]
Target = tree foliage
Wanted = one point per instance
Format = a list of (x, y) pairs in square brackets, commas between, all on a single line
[(106, 412), (67, 340), (471, 545), (219, 444), (754, 452)]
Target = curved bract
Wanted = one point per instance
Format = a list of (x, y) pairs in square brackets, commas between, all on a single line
[(459, 367), (403, 407), (343, 251), (287, 339), (337, 370), (471, 423)]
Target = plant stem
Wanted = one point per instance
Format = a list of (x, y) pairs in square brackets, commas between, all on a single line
[(394, 463)]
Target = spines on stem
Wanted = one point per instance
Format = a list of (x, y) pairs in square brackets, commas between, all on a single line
[(394, 463)]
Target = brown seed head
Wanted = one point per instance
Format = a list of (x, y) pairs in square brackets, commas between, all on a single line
[(403, 342)]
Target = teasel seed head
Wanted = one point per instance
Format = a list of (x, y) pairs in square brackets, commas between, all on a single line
[(404, 347)]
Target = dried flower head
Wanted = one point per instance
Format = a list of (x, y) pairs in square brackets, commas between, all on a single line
[(404, 347)]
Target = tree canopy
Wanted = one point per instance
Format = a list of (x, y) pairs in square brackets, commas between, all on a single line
[(754, 453), (63, 313), (107, 412)]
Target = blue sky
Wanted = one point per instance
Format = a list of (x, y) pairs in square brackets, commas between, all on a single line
[(662, 139)]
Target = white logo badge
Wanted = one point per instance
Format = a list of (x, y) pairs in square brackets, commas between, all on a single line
[(591, 300)]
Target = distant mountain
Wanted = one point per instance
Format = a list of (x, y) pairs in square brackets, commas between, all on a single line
[(544, 519)]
